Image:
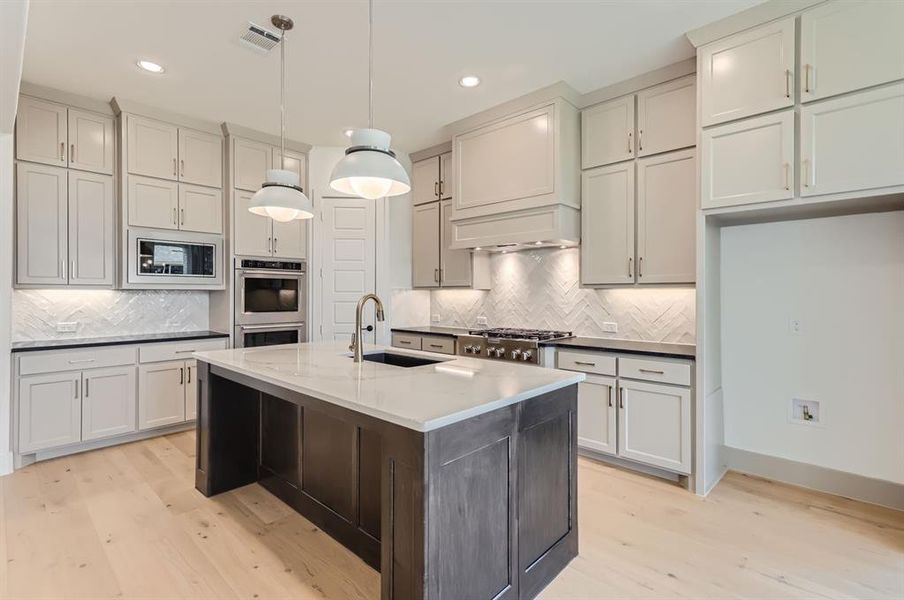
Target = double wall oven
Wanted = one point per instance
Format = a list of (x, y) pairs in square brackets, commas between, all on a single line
[(270, 302)]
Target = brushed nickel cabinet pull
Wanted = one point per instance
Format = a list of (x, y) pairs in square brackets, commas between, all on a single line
[(189, 375), (182, 168), (621, 399), (86, 386), (805, 167), (654, 371), (585, 363), (72, 268), (787, 176), (174, 167), (787, 83), (436, 189), (181, 376), (436, 275), (640, 267), (80, 361), (442, 188), (436, 345), (72, 153), (62, 150), (640, 140), (270, 245), (610, 396), (405, 342), (182, 215), (175, 222), (275, 245), (807, 78), (76, 388), (630, 147), (630, 266)]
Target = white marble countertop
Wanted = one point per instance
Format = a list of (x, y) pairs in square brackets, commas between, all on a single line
[(420, 398)]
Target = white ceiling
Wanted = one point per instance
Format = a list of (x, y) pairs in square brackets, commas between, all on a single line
[(421, 49)]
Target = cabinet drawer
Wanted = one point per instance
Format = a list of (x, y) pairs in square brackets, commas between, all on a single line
[(588, 362), (76, 360), (177, 350), (443, 345), (655, 370), (404, 340)]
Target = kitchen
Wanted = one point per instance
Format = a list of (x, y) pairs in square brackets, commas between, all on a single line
[(645, 245)]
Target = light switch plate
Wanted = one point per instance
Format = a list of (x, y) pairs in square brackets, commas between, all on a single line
[(482, 321), (610, 327), (435, 318), (67, 327)]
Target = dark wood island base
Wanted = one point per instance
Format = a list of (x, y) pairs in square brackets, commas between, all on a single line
[(481, 508)]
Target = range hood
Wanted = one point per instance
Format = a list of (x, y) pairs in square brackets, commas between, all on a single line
[(545, 226)]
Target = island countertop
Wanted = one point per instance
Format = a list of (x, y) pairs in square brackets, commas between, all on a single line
[(421, 398)]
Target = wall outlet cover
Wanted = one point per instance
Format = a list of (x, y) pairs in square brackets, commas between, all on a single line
[(482, 321), (794, 326), (805, 412), (610, 327), (435, 318), (67, 327)]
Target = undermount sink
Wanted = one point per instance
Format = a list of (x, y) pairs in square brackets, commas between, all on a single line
[(399, 360)]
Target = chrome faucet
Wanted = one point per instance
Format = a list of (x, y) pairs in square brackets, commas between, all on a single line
[(356, 346)]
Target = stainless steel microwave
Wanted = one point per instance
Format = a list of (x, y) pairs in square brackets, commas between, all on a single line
[(175, 258)]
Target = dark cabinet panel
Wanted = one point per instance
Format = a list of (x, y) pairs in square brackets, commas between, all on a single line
[(329, 460), (280, 439), (370, 450)]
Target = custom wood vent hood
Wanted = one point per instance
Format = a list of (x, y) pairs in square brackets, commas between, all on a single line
[(517, 167)]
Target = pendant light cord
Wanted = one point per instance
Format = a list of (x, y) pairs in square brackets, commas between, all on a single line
[(370, 54), (282, 101)]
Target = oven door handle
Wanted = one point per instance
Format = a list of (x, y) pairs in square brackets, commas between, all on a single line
[(273, 326), (274, 274)]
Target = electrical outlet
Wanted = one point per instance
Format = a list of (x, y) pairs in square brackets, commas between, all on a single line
[(610, 327), (794, 326), (67, 327), (482, 321), (435, 318), (805, 412)]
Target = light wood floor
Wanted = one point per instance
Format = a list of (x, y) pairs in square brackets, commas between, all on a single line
[(127, 522)]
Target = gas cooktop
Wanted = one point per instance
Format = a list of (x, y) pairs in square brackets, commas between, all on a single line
[(514, 333)]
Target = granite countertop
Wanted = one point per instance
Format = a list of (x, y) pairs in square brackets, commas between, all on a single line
[(667, 349), (421, 398), (118, 340), (434, 330)]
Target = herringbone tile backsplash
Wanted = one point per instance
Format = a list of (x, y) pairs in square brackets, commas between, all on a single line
[(539, 289), (102, 313)]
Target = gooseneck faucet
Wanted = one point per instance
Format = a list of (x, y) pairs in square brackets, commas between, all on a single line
[(356, 347)]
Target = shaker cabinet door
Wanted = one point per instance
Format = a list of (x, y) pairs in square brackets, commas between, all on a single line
[(108, 402), (853, 143), (425, 240), (667, 117), (446, 176), (289, 239), (607, 133), (847, 46), (200, 158), (654, 424), (41, 224), (425, 181), (597, 415), (153, 203), (161, 394), (455, 265), (153, 148), (90, 142), (607, 225), (200, 209), (748, 73), (251, 162), (91, 229), (41, 132), (253, 233), (50, 411), (295, 162)]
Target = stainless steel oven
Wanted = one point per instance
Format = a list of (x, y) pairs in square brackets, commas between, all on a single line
[(250, 336), (270, 292)]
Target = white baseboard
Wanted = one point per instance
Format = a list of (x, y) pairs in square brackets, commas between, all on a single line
[(822, 479), (6, 463)]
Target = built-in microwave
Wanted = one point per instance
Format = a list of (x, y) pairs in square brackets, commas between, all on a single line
[(251, 336), (175, 258), (270, 291)]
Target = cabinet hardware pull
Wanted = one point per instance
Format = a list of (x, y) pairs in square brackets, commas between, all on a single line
[(442, 188), (654, 371), (585, 363), (805, 164), (189, 375), (63, 269), (275, 245), (436, 189), (182, 215), (436, 345), (72, 153), (72, 268), (181, 376), (621, 397), (787, 176), (610, 396), (442, 275), (185, 351), (76, 388), (81, 360), (405, 342), (640, 267), (62, 150), (182, 168), (86, 387), (174, 216), (807, 78), (174, 167), (270, 245), (436, 275), (787, 83), (629, 142), (640, 140), (630, 266)]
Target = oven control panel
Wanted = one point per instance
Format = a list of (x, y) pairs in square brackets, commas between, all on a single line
[(498, 349)]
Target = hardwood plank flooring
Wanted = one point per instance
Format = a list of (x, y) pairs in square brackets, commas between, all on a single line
[(126, 522)]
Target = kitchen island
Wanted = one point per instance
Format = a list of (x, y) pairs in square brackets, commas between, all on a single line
[(455, 477)]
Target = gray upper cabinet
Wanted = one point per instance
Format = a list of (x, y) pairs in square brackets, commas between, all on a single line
[(41, 225), (200, 158), (153, 148), (90, 229), (41, 132), (90, 142), (607, 214), (607, 133), (454, 265), (667, 117), (847, 46), (153, 203), (446, 176), (425, 245), (295, 162), (425, 181), (251, 161)]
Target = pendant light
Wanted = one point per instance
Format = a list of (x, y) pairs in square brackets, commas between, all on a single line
[(281, 197), (369, 168)]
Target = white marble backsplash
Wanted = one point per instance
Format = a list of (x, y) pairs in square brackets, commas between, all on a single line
[(410, 307), (540, 289), (99, 313)]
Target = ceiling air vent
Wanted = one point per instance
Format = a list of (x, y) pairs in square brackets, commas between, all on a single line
[(259, 39)]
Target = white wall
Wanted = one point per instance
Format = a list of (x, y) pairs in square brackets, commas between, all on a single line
[(843, 278)]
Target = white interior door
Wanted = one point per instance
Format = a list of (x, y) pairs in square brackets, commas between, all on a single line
[(348, 242)]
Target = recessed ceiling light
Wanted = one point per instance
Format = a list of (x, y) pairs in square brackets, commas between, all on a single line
[(469, 81), (150, 66)]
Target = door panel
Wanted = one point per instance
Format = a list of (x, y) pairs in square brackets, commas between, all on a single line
[(667, 218), (90, 142), (200, 209), (153, 203), (153, 147), (349, 239), (853, 143), (596, 414), (108, 402), (846, 46), (41, 132), (455, 265), (200, 158), (91, 229), (253, 233), (251, 162), (654, 424), (425, 243), (161, 394), (329, 450), (607, 133), (425, 181), (50, 411), (748, 162), (607, 244), (748, 73), (667, 117), (41, 224)]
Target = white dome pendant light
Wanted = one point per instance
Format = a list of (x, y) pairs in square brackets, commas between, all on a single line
[(369, 168), (281, 197)]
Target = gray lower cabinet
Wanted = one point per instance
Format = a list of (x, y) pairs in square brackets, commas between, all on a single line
[(108, 402), (654, 423), (161, 394), (597, 414), (50, 411)]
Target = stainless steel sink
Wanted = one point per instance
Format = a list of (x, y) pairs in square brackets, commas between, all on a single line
[(399, 360)]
